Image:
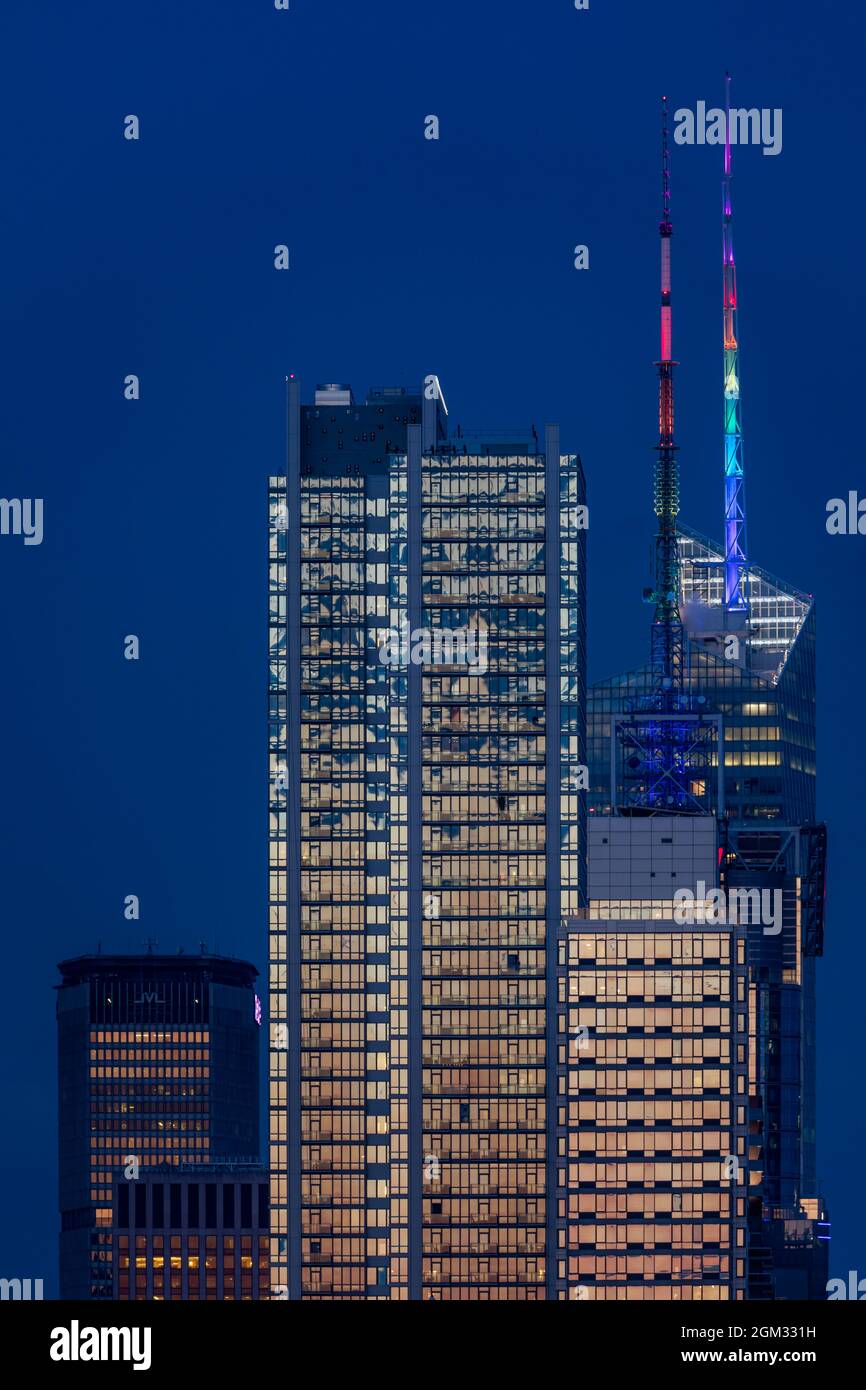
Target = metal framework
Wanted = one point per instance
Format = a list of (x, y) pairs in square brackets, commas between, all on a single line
[(667, 629), (664, 755), (667, 763)]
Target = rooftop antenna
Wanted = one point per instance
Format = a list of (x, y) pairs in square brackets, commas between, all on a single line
[(736, 554), (663, 749), (667, 628)]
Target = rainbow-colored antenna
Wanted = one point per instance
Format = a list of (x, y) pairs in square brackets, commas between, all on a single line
[(736, 561)]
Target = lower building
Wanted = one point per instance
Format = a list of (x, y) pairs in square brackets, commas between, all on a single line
[(653, 1176), (195, 1232), (158, 1062)]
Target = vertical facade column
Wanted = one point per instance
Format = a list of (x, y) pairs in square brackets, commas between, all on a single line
[(553, 821), (740, 1043), (415, 886), (293, 833)]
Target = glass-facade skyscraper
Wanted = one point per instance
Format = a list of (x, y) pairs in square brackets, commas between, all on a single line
[(427, 802)]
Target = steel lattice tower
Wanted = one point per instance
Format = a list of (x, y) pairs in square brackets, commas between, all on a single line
[(667, 629), (663, 751)]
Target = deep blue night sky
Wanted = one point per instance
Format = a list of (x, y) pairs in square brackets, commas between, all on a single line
[(408, 256)]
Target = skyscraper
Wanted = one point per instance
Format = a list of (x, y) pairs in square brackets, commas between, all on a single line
[(770, 840), (427, 843), (158, 1060), (746, 663)]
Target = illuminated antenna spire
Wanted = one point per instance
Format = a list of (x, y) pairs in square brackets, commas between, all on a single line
[(736, 561), (665, 750), (667, 630)]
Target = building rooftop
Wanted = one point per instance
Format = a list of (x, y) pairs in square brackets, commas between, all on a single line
[(147, 964)]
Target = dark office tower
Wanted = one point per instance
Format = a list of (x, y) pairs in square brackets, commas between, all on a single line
[(193, 1232), (427, 751), (788, 1218), (158, 1062)]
